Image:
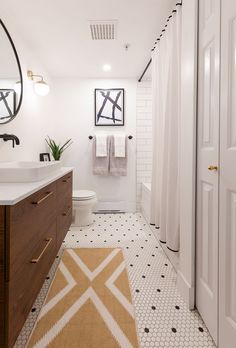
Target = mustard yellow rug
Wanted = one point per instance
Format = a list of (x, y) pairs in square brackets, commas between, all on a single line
[(89, 303)]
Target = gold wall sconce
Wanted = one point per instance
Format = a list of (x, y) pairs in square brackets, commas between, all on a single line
[(40, 87)]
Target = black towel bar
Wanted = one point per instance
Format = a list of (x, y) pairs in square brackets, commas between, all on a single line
[(129, 137)]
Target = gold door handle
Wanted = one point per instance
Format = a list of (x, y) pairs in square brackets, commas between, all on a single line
[(213, 168), (48, 241)]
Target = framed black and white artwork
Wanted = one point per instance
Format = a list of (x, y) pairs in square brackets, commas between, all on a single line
[(109, 107), (7, 104), (44, 157)]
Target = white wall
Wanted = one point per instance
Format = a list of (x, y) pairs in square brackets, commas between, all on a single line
[(144, 136), (75, 119), (68, 112), (34, 119), (186, 273)]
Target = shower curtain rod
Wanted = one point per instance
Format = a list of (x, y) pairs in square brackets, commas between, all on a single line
[(158, 39)]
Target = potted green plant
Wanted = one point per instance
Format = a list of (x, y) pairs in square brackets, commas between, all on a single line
[(55, 149)]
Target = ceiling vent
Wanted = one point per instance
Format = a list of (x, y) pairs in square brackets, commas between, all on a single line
[(103, 30)]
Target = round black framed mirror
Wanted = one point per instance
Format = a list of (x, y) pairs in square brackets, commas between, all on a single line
[(11, 81)]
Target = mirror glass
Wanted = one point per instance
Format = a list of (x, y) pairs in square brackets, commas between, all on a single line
[(11, 83)]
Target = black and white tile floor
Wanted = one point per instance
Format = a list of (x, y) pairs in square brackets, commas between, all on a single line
[(162, 317)]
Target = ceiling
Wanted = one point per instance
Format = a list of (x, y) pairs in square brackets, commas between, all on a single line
[(58, 33)]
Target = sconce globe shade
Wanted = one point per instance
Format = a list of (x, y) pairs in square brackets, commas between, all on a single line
[(41, 88), (17, 87), (106, 67)]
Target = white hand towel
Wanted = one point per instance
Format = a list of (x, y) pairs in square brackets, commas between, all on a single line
[(119, 142), (100, 164), (101, 145), (118, 165)]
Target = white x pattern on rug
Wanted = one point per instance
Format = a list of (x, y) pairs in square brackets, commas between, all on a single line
[(88, 294), (107, 317)]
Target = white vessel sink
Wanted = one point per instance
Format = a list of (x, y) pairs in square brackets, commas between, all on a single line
[(27, 171)]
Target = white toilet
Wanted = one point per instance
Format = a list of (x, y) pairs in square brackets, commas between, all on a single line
[(83, 204)]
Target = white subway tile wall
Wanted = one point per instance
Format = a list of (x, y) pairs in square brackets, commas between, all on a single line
[(144, 136)]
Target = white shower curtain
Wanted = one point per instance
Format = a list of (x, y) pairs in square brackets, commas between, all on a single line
[(166, 133)]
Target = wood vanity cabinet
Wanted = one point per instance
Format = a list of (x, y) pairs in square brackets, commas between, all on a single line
[(64, 207), (31, 233)]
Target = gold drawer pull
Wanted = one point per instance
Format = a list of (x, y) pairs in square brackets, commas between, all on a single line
[(67, 180), (67, 212), (43, 199), (48, 240), (212, 168)]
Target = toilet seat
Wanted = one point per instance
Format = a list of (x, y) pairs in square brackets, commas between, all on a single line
[(83, 195)]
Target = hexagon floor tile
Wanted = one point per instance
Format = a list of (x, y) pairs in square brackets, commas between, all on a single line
[(162, 317)]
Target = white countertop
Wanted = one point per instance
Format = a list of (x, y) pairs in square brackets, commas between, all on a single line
[(12, 193)]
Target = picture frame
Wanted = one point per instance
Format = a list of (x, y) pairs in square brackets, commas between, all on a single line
[(44, 157), (7, 104), (109, 106)]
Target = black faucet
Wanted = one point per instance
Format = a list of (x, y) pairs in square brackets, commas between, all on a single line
[(12, 137)]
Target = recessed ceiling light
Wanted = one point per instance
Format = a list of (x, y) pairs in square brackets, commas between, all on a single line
[(106, 67)]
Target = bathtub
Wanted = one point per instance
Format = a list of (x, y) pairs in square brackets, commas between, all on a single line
[(146, 201)]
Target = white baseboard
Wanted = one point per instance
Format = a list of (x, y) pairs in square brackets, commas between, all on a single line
[(186, 290), (172, 256)]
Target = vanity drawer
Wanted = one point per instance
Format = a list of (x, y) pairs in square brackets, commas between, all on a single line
[(64, 190), (66, 179), (64, 219), (27, 281), (2, 277), (64, 207), (29, 221)]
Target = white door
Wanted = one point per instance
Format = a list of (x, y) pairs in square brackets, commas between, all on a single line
[(208, 155), (227, 230)]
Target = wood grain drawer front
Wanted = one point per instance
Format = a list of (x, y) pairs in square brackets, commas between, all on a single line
[(30, 219), (26, 284), (65, 181), (66, 178), (2, 253), (64, 220), (64, 190), (64, 207), (2, 277)]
